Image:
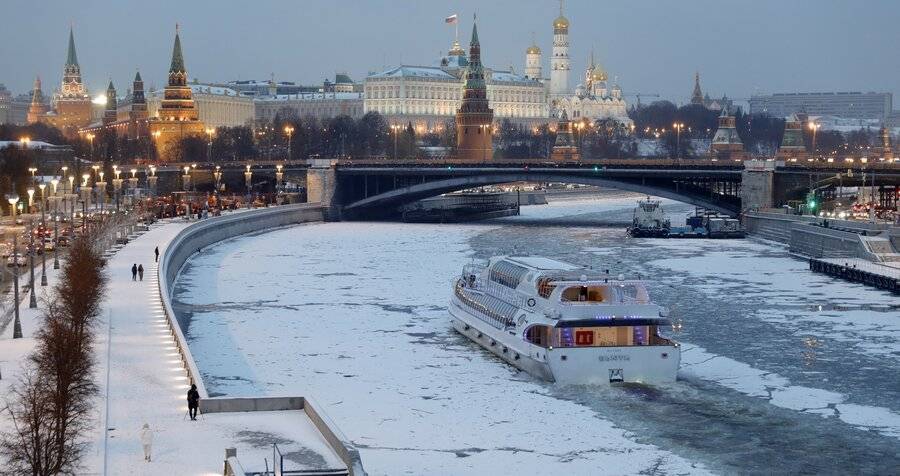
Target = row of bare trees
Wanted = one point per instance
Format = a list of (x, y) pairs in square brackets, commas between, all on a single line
[(50, 407)]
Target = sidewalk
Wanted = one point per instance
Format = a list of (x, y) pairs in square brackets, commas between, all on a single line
[(147, 384)]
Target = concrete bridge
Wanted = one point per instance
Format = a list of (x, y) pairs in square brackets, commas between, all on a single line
[(368, 188), (354, 189)]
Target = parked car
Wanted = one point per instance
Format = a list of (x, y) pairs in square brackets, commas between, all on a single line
[(16, 260), (62, 241), (5, 250)]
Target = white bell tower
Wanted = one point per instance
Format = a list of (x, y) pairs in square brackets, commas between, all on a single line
[(559, 63)]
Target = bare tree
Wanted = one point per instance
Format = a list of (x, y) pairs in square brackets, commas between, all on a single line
[(51, 406)]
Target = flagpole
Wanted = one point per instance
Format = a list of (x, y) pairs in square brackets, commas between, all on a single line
[(456, 25)]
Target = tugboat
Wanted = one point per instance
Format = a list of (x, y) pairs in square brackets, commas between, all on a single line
[(564, 323), (648, 220)]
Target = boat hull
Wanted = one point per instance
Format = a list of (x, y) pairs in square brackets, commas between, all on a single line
[(653, 365)]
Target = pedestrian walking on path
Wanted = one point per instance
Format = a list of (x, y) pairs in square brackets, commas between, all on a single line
[(146, 441), (141, 272), (193, 398), (156, 252), (134, 271)]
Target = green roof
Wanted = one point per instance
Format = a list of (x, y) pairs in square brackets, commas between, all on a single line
[(72, 57), (177, 59)]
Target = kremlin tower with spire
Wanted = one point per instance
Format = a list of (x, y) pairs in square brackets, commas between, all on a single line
[(71, 104), (474, 119), (177, 115), (37, 111)]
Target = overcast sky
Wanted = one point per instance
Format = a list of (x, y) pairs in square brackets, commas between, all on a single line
[(739, 47)]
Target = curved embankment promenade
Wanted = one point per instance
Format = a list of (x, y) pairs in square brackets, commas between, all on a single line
[(208, 232)]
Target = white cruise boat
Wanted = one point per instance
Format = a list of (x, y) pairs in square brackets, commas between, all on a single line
[(564, 323)]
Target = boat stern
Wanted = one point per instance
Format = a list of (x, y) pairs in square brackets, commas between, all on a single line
[(652, 364)]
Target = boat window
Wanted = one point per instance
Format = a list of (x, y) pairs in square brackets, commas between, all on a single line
[(507, 274), (632, 293), (612, 336), (545, 287), (538, 335), (586, 294), (494, 311)]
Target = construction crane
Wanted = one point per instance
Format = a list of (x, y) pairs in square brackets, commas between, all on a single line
[(639, 95)]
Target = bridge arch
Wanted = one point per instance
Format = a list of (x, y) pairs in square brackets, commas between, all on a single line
[(403, 195)]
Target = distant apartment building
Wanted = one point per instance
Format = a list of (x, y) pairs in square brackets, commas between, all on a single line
[(5, 105), (851, 105)]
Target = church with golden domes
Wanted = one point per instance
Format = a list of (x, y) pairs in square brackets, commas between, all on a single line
[(594, 99)]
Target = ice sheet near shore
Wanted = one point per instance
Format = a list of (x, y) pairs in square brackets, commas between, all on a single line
[(819, 309), (336, 311)]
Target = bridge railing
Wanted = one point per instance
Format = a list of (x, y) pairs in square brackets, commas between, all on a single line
[(543, 163)]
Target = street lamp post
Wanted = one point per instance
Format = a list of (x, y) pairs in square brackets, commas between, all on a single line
[(101, 192), (209, 132), (248, 176), (279, 175), (186, 178), (117, 185), (678, 126), (151, 179), (85, 200), (90, 138), (17, 324), (43, 187), (32, 303), (396, 130), (815, 129), (217, 175), (55, 218), (289, 130), (70, 197), (30, 198)]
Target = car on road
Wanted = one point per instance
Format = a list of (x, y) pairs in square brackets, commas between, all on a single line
[(5, 250), (16, 260), (49, 245), (62, 241)]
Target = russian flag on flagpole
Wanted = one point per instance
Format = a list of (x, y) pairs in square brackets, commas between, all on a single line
[(451, 19)]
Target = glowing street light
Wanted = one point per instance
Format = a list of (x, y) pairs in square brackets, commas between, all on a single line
[(815, 129), (396, 129), (30, 198), (90, 138), (678, 126), (289, 130)]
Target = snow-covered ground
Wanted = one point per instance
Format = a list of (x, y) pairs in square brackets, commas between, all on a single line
[(142, 381)]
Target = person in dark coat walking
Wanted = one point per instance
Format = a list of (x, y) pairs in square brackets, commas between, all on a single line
[(134, 272), (193, 398), (156, 252), (141, 272)]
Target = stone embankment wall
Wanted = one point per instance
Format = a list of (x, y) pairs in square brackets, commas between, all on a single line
[(208, 232), (807, 235)]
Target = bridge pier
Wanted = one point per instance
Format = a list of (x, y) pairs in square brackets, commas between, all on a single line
[(321, 187), (758, 185)]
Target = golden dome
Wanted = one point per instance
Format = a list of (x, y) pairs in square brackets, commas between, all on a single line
[(561, 22), (599, 74), (533, 50)]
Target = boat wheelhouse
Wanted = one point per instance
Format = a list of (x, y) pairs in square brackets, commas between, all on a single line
[(563, 322), (648, 220)]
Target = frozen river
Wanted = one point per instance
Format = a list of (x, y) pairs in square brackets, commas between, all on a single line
[(782, 370)]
